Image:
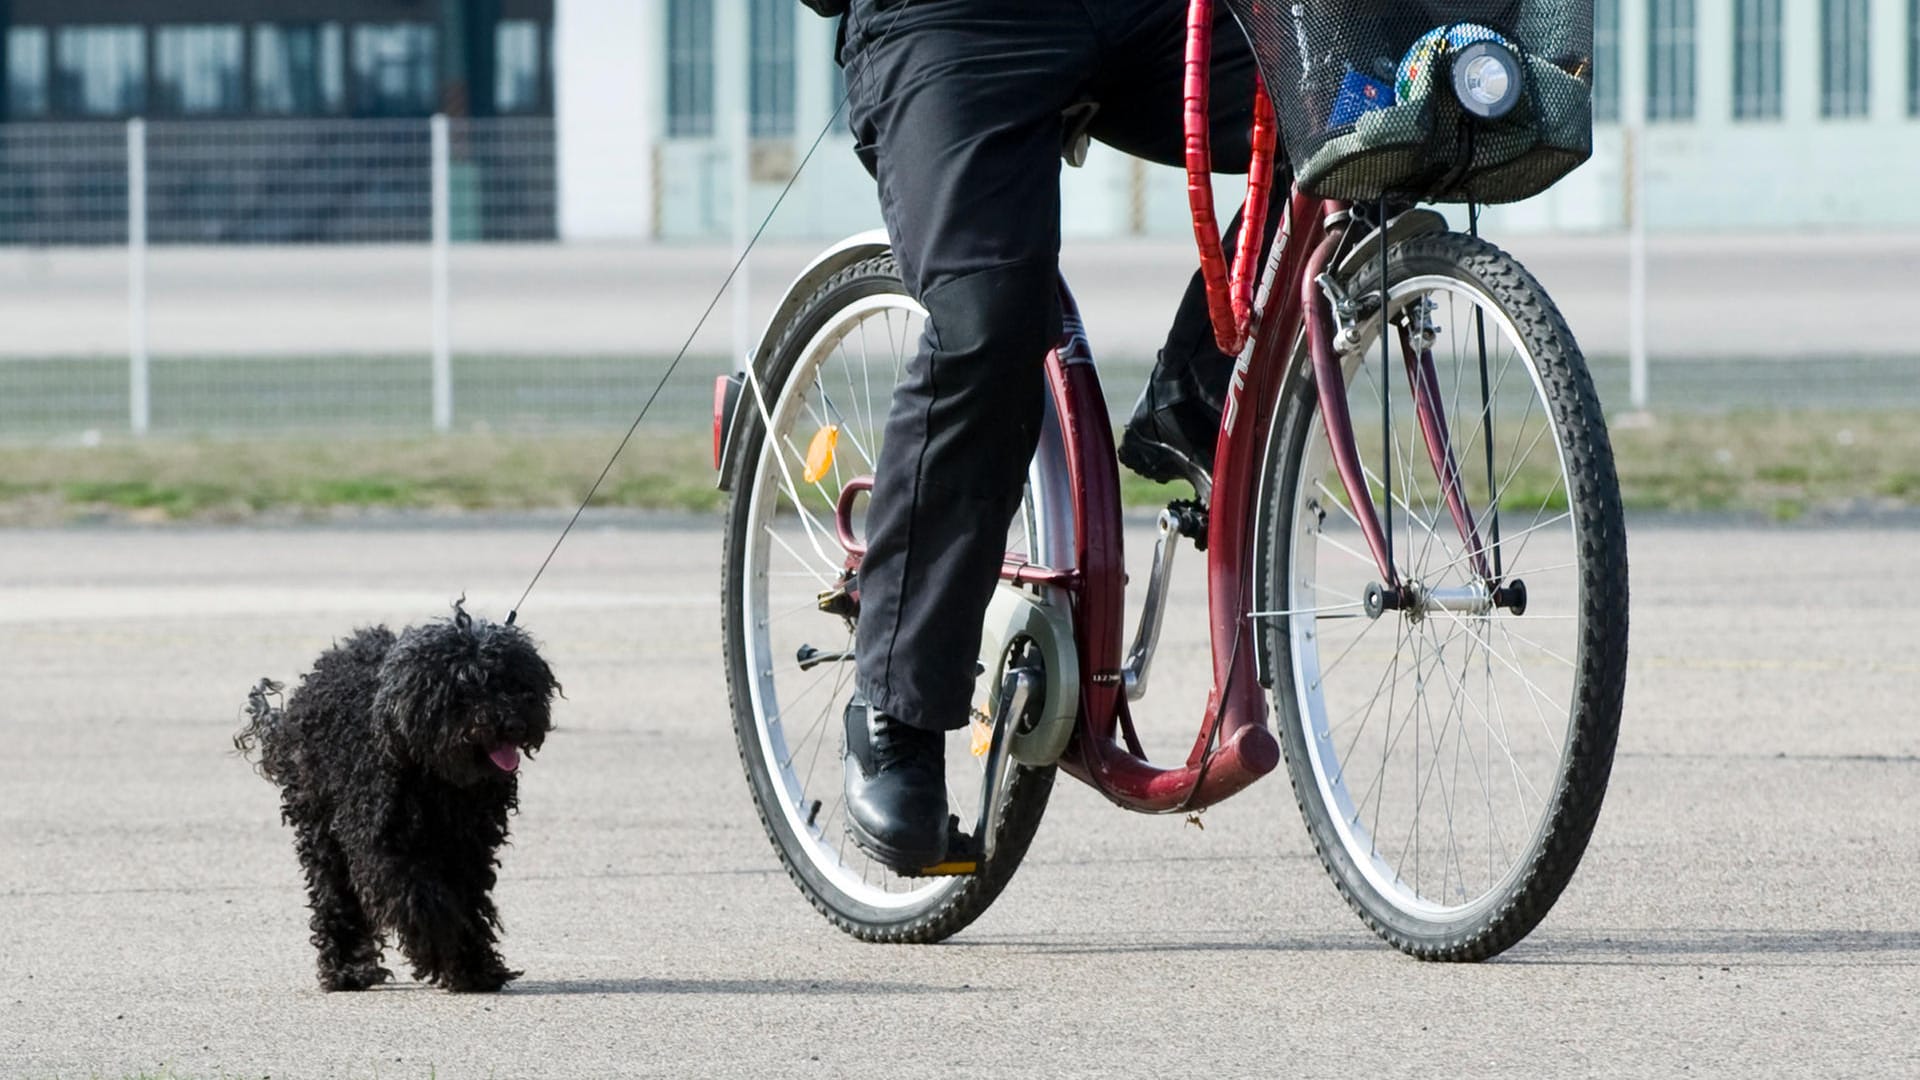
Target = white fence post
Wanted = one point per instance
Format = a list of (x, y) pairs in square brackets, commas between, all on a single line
[(1637, 266), (733, 111), (442, 240), (139, 385)]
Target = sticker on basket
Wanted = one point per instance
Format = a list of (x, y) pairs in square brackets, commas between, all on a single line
[(1431, 48), (1358, 94)]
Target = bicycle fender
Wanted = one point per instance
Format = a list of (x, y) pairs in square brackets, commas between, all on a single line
[(1015, 613), (856, 248), (1405, 226)]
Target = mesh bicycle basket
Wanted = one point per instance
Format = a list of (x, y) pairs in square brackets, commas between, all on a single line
[(1371, 94)]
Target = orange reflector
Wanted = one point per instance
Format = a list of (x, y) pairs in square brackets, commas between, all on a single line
[(820, 452), (982, 740)]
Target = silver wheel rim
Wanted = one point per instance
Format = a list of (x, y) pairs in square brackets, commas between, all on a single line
[(1485, 698), (844, 375)]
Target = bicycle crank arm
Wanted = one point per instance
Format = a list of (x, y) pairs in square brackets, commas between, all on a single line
[(1021, 693), (1147, 638)]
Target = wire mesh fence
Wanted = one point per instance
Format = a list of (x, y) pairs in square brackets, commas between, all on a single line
[(339, 278), (63, 184), (239, 277), (345, 395), (276, 182)]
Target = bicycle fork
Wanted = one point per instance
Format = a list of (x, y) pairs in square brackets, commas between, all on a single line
[(1335, 325)]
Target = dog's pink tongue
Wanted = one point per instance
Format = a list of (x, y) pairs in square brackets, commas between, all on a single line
[(506, 756)]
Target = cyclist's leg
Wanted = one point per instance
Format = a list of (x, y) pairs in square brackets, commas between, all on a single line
[(958, 104)]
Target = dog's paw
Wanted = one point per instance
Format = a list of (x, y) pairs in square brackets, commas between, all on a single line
[(484, 981), (357, 977)]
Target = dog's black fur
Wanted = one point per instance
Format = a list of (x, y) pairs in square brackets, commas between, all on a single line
[(383, 756)]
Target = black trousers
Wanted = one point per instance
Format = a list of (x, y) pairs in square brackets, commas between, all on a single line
[(956, 107)]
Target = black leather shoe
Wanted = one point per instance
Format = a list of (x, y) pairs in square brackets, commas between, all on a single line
[(1171, 435), (896, 789)]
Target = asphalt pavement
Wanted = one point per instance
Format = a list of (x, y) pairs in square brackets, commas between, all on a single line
[(1750, 905)]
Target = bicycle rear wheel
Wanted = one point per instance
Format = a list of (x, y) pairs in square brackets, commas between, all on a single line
[(789, 662), (1450, 758)]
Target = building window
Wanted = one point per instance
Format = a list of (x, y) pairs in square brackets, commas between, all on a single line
[(1670, 45), (395, 69), (27, 71), (772, 68), (1756, 59), (1913, 58), (1606, 60), (516, 66), (689, 67), (298, 70), (1844, 63), (100, 70), (199, 70)]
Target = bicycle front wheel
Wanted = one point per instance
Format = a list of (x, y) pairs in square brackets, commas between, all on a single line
[(1450, 757), (818, 419)]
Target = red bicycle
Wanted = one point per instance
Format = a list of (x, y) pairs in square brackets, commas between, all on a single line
[(1434, 609)]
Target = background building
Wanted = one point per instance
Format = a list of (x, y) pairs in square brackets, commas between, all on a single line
[(609, 119), (274, 120), (1760, 114), (99, 59)]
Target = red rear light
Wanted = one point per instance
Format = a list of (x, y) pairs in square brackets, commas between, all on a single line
[(720, 396)]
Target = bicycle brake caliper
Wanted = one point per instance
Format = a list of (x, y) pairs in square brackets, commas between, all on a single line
[(1420, 325), (1349, 313)]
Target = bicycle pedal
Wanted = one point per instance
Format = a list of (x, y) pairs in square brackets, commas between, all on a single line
[(950, 868), (963, 855)]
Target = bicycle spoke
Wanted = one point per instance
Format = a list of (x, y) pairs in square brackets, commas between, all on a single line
[(1482, 776), (810, 604), (1486, 724), (824, 581), (1535, 693), (1340, 771), (866, 381), (1555, 520), (1319, 611), (1338, 546), (1528, 533), (1339, 502), (1392, 740), (1328, 669), (1414, 518), (786, 474), (1515, 635), (824, 724), (865, 422)]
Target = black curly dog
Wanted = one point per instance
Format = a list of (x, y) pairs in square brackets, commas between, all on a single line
[(397, 761)]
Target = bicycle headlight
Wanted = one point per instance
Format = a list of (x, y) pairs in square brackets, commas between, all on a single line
[(1486, 78)]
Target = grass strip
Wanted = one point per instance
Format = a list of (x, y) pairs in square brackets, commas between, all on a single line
[(1781, 464)]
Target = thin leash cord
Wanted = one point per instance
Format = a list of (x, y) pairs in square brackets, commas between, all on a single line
[(514, 615)]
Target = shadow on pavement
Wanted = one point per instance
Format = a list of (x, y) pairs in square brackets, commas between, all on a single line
[(1750, 947), (1679, 948), (1067, 946), (752, 987)]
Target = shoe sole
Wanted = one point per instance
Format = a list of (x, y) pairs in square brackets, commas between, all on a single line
[(1161, 463), (899, 860)]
